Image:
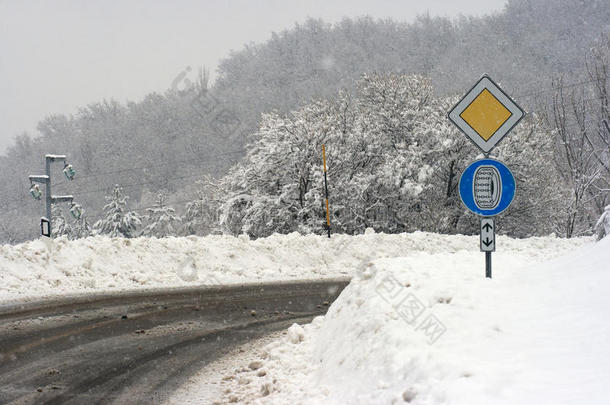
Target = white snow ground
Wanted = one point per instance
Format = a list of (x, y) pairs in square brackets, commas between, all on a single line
[(537, 333), (47, 267)]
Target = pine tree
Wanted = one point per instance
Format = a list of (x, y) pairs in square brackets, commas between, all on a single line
[(117, 221), (161, 219), (60, 226), (81, 227), (201, 215)]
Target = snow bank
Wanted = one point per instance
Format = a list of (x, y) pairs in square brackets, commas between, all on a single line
[(427, 334), (272, 368), (47, 267), (428, 328)]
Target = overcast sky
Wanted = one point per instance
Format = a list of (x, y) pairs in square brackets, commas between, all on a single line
[(56, 56)]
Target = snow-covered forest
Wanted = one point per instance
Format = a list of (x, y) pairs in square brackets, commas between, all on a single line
[(242, 154)]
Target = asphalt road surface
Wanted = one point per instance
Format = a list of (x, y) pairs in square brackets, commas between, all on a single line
[(138, 347)]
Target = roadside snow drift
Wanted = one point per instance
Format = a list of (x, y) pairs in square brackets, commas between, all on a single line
[(428, 328), (423, 333), (50, 267)]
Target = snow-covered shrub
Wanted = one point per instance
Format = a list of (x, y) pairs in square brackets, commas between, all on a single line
[(117, 220), (81, 227), (60, 227), (394, 162), (161, 219), (201, 217)]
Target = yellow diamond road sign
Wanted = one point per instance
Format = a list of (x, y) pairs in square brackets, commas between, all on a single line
[(486, 114)]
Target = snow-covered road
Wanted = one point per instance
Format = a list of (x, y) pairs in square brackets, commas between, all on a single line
[(137, 348)]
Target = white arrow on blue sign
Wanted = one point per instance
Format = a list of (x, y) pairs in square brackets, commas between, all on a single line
[(487, 187)]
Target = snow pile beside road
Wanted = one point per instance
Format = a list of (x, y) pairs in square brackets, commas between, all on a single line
[(271, 368), (50, 267), (431, 329)]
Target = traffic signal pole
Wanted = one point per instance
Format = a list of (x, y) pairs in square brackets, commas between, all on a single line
[(46, 180), (48, 196)]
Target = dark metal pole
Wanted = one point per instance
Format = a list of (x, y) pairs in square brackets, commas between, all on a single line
[(488, 264)]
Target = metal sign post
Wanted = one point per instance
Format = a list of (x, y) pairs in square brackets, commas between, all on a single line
[(486, 114), (487, 187), (488, 242)]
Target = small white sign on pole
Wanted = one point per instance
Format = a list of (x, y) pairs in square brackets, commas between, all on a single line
[(44, 227), (488, 235)]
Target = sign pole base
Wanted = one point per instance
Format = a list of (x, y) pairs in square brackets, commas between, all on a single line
[(488, 264)]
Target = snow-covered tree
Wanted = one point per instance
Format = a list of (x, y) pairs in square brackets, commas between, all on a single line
[(81, 227), (72, 228), (117, 220), (271, 190), (541, 195), (201, 217), (574, 156), (376, 151), (161, 219), (60, 227), (602, 226), (394, 162)]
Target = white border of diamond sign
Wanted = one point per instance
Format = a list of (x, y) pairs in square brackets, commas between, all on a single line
[(517, 114)]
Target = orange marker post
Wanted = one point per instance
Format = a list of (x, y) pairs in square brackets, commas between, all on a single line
[(326, 190)]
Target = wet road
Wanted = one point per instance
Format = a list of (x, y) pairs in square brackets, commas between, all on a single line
[(137, 348)]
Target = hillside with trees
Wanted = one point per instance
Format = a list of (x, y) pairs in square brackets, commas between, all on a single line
[(393, 161), (394, 164)]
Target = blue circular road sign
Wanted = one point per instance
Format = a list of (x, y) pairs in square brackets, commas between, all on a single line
[(487, 187)]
